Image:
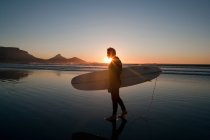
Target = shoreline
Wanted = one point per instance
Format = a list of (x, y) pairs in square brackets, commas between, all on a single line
[(203, 70)]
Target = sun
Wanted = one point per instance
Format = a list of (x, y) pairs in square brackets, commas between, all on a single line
[(107, 60)]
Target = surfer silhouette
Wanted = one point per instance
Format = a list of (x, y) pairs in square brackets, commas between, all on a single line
[(115, 69)]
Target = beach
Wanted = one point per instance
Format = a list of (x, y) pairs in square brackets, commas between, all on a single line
[(40, 103), (44, 44)]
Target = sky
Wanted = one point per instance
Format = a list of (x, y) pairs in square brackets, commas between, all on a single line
[(141, 31)]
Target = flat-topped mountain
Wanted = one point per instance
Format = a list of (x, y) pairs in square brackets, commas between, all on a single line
[(15, 55)]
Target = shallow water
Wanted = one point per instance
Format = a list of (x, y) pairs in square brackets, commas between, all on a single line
[(42, 104)]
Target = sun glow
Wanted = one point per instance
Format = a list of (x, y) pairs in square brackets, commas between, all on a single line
[(107, 60)]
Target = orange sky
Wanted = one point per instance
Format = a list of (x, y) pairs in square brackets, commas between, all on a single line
[(141, 31)]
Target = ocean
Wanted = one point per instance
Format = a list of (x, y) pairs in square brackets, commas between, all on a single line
[(37, 102)]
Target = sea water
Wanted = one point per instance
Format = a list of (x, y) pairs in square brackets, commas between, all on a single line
[(40, 103)]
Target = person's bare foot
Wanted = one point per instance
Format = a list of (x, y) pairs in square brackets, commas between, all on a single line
[(123, 113), (112, 118)]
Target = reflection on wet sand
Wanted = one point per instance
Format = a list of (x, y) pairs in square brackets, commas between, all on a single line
[(13, 75), (115, 133)]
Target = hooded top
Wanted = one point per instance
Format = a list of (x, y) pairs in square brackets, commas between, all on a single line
[(115, 69)]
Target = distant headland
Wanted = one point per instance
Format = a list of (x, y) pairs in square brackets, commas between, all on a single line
[(16, 55)]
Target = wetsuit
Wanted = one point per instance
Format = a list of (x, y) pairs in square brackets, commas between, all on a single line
[(115, 69)]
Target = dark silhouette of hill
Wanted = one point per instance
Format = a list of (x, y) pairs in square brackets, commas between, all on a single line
[(15, 55), (57, 59), (76, 60), (60, 59)]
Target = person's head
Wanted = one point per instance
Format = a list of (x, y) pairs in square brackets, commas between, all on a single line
[(111, 52)]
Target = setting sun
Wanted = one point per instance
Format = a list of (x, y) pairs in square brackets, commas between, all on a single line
[(107, 60)]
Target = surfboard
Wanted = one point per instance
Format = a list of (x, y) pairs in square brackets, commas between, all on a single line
[(99, 80)]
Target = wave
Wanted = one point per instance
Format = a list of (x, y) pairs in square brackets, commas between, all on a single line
[(192, 70), (54, 67), (181, 70)]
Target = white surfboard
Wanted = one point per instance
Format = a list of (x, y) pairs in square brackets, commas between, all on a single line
[(99, 80)]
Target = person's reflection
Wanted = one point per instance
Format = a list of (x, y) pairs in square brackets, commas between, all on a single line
[(115, 133)]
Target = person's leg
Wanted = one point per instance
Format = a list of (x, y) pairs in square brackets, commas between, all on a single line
[(114, 103), (114, 107), (117, 100), (121, 104)]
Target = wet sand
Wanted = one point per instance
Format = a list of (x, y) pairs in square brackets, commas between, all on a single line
[(42, 104)]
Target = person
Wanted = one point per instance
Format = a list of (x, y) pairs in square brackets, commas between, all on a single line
[(115, 69)]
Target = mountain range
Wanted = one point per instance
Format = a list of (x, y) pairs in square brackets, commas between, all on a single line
[(15, 55)]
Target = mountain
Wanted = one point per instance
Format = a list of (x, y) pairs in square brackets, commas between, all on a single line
[(15, 55), (57, 59), (75, 60), (60, 59)]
